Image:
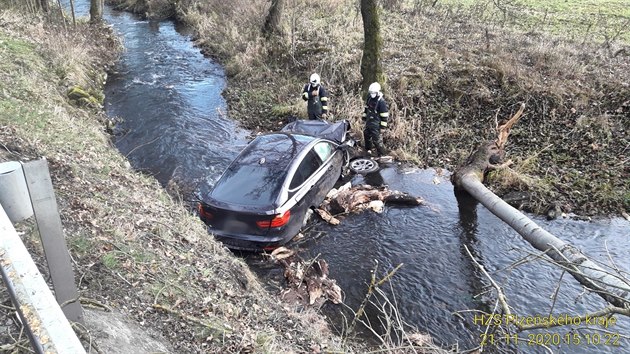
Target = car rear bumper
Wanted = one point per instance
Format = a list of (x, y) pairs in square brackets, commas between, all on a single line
[(251, 242)]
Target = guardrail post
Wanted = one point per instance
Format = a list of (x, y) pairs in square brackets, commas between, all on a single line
[(13, 192), (46, 325), (44, 203)]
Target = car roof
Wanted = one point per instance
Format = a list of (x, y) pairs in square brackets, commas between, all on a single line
[(336, 131), (277, 148), (255, 178)]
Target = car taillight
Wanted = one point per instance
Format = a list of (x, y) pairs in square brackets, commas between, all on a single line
[(277, 221), (204, 213)]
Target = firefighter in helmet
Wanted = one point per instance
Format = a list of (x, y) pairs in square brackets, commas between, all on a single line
[(375, 117), (317, 98)]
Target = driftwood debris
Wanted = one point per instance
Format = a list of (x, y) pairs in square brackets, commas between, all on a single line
[(307, 281), (348, 199), (613, 288)]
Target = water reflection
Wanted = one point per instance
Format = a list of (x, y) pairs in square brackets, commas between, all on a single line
[(439, 287), (169, 96), (467, 207), (374, 179)]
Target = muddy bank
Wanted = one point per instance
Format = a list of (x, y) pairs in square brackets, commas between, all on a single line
[(448, 85), (137, 251)]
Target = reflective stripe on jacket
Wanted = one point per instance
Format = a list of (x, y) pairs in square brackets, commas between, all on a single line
[(316, 101), (376, 112)]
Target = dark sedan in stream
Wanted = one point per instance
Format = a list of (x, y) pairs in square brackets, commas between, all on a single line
[(262, 199)]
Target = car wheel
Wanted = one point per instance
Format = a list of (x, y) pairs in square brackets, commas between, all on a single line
[(363, 166)]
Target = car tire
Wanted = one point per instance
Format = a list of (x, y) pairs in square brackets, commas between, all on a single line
[(363, 166)]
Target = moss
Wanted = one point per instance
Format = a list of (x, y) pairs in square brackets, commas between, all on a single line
[(80, 244), (83, 98)]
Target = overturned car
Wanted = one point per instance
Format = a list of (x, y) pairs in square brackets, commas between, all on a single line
[(262, 199)]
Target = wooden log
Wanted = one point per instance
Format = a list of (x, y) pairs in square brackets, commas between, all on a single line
[(359, 198)]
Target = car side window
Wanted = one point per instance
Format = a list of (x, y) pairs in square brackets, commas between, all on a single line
[(307, 167), (324, 150)]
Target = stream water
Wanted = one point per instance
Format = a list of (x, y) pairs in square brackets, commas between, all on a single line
[(175, 126)]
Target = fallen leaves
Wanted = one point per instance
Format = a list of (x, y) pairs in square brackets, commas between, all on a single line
[(307, 281)]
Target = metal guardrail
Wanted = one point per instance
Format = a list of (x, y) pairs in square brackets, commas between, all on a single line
[(48, 329), (26, 189)]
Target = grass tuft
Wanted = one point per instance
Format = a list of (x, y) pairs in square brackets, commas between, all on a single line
[(471, 64)]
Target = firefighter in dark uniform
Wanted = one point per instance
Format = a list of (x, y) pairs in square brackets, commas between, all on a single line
[(317, 98), (375, 117)]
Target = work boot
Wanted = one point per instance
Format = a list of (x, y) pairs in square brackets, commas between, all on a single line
[(380, 148)]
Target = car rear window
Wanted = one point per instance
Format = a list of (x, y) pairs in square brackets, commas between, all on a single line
[(249, 185), (256, 176)]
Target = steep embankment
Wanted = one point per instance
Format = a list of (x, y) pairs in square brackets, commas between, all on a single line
[(136, 250), (453, 72)]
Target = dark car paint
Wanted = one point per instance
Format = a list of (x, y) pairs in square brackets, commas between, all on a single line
[(234, 223), (277, 152)]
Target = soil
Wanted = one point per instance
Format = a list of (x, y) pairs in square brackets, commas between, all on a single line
[(141, 254), (448, 86)]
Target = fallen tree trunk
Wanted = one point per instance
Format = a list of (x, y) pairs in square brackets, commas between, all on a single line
[(612, 288)]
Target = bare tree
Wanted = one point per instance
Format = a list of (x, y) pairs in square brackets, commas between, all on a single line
[(96, 10), (371, 69), (74, 19), (44, 5), (61, 14), (272, 22), (613, 288)]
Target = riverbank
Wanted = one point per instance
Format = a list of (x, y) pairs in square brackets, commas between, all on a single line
[(448, 84), (134, 245), (138, 253)]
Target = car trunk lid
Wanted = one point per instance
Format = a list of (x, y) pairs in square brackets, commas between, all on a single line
[(237, 221)]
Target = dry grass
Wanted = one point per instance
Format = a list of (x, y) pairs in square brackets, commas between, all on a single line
[(447, 85), (136, 249)]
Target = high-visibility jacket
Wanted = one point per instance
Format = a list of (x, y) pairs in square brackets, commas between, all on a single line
[(376, 112), (316, 104)]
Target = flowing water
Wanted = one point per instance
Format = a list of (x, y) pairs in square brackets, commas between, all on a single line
[(175, 127)]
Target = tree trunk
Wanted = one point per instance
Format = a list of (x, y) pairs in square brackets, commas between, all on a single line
[(272, 22), (611, 288), (96, 11), (44, 5), (371, 69), (61, 14), (614, 289), (74, 19)]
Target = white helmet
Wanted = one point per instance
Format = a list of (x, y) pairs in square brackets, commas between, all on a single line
[(375, 87), (314, 79)]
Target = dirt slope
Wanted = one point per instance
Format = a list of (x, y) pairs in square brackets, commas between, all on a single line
[(451, 76), (137, 251)]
